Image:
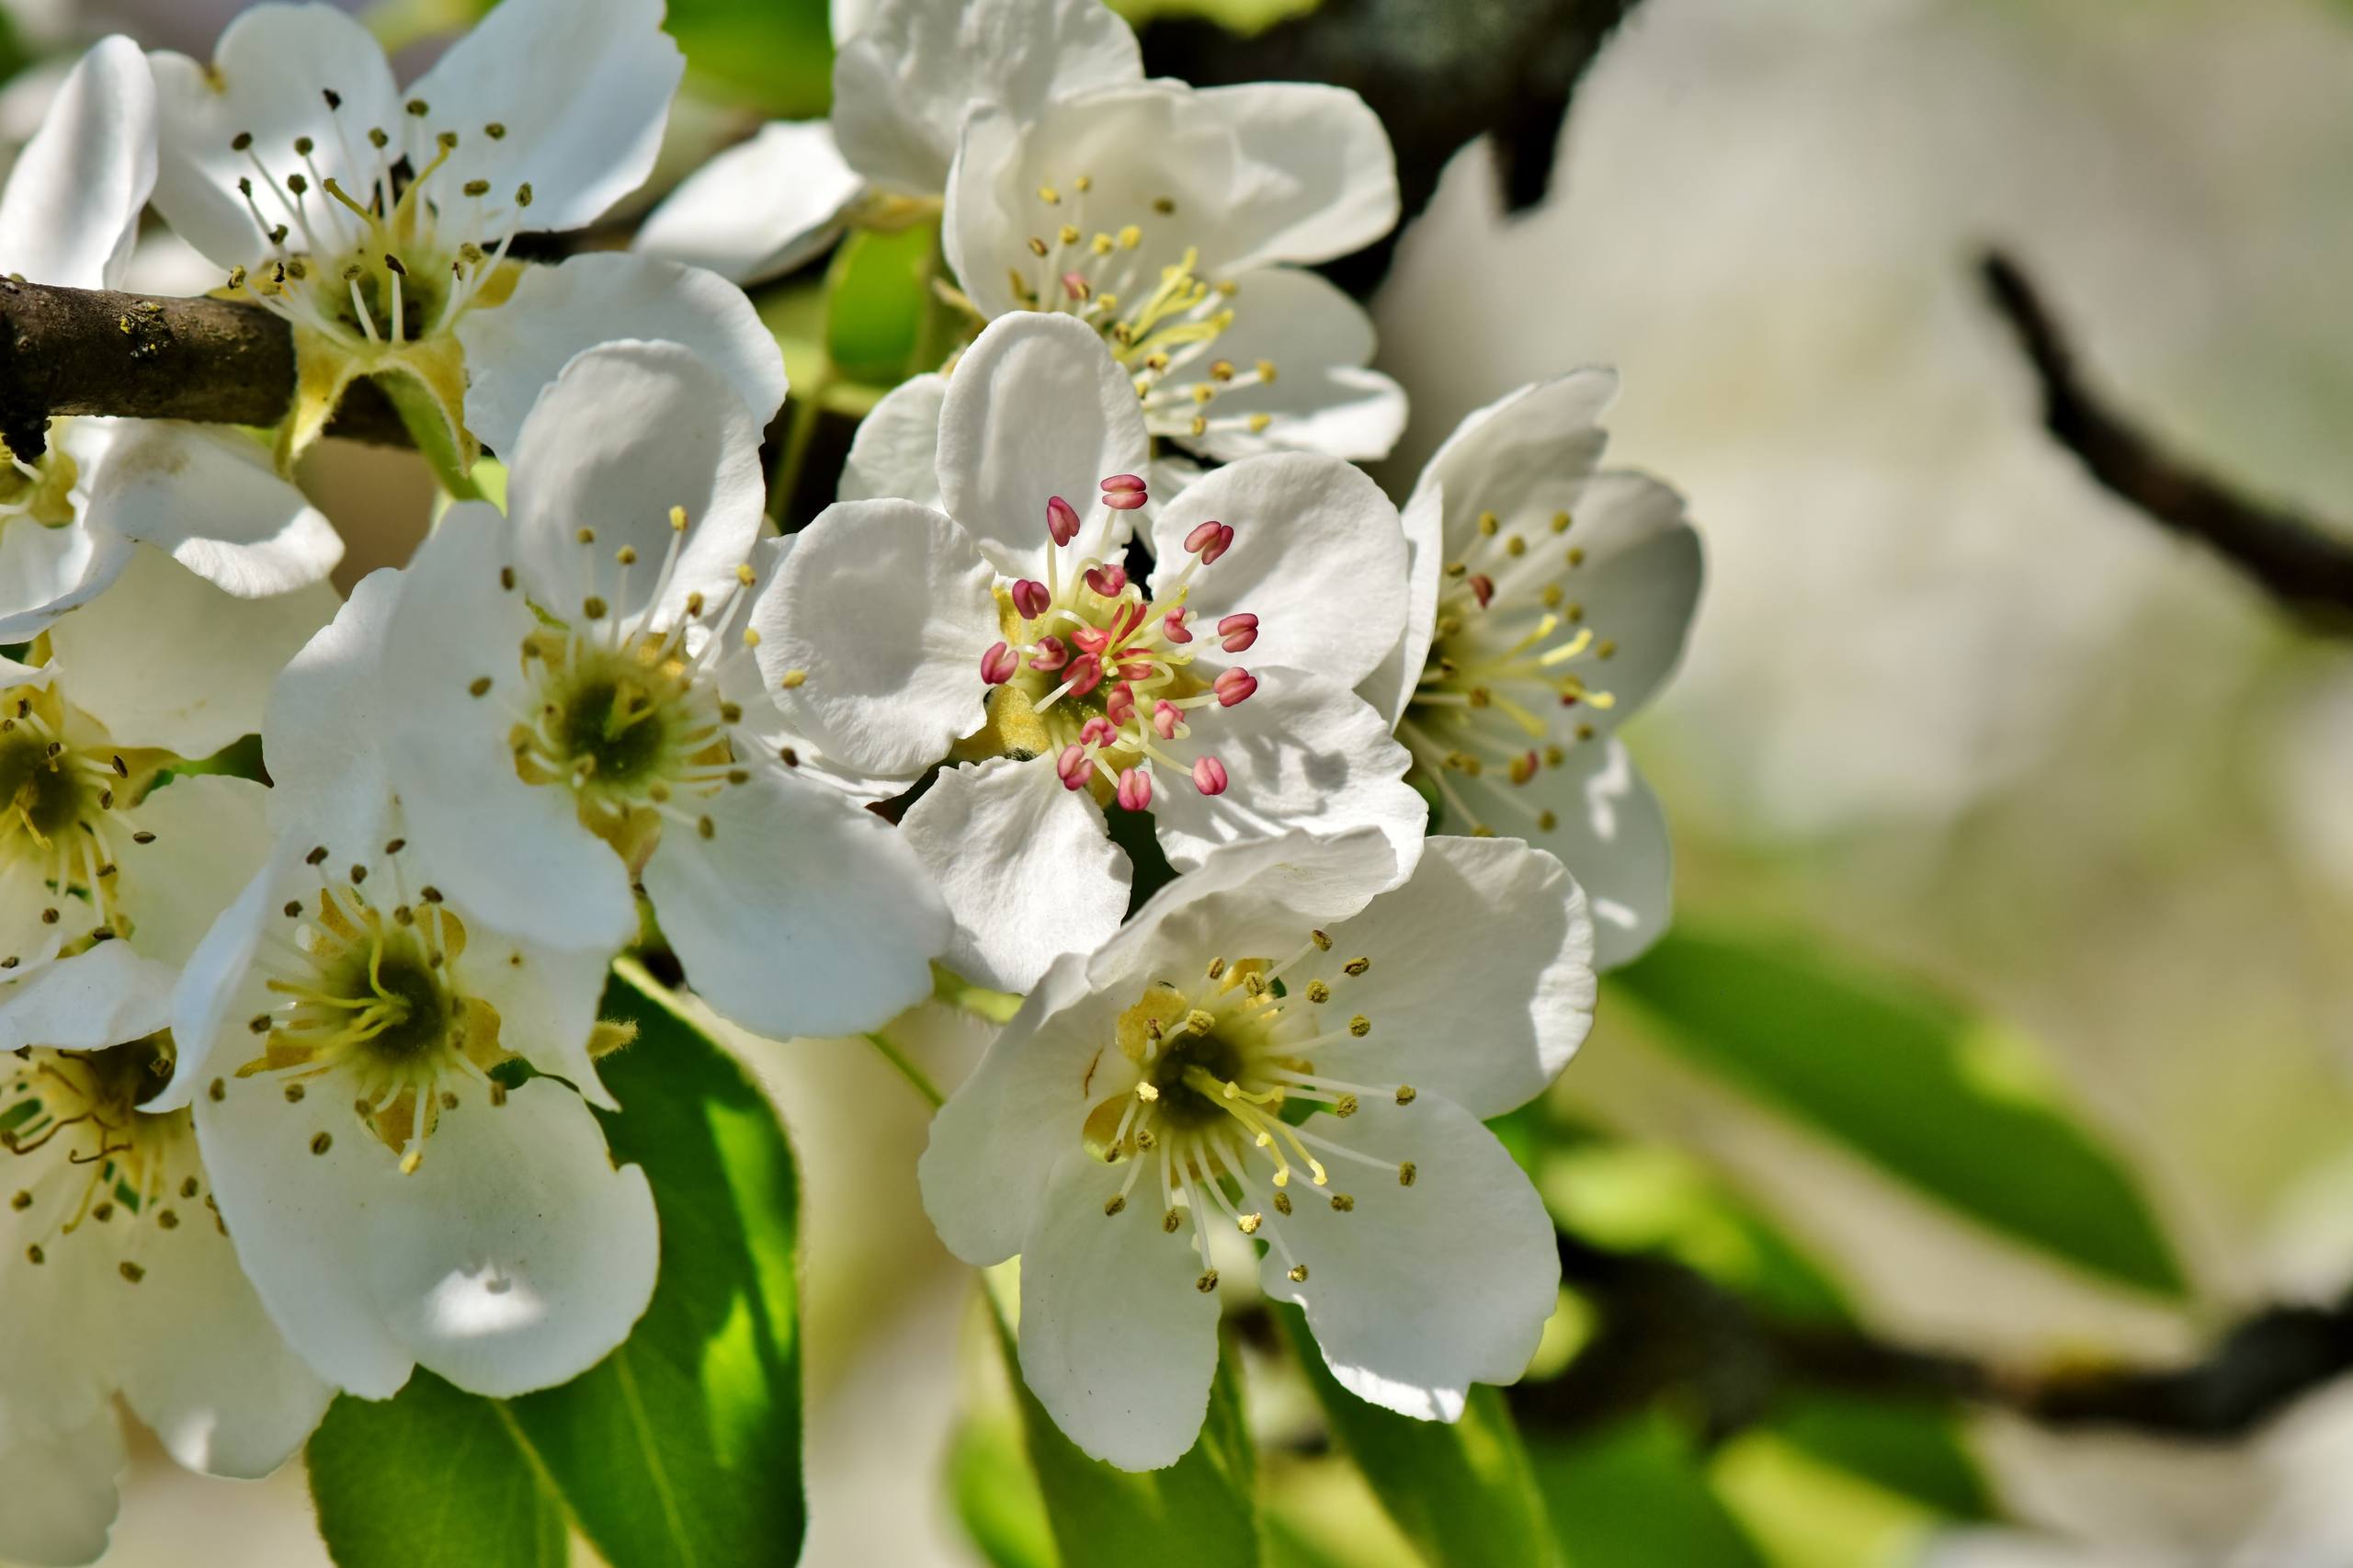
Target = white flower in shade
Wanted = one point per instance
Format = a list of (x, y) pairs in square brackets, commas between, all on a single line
[(344, 1034), (74, 510), (1550, 602), (86, 728), (378, 222), (1002, 631), (567, 705), (1177, 223), (903, 85), (116, 1276), (1148, 1095)]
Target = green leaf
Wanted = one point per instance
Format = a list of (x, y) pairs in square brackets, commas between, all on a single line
[(878, 301), (1911, 1448), (773, 55), (433, 1479), (1911, 1081), (1461, 1491), (1199, 1510), (1635, 1495), (996, 1498), (683, 1446)]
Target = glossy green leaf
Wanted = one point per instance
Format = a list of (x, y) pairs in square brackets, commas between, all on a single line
[(996, 1498), (1912, 1447), (1460, 1491), (878, 304), (773, 55), (433, 1479), (1635, 1495), (1910, 1082), (683, 1446), (1199, 1510)]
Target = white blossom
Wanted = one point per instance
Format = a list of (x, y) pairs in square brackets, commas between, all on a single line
[(1138, 1101), (1001, 632), (73, 517), (116, 1276), (903, 83), (378, 222), (1550, 602), (563, 699)]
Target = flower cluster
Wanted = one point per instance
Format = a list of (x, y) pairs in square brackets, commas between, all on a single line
[(306, 1091)]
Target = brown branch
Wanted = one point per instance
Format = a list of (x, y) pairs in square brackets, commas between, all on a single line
[(2303, 563), (67, 351), (1668, 1331)]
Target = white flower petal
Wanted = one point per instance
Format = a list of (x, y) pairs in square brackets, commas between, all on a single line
[(210, 833), (1527, 454), (269, 73), (801, 913), (1390, 686), (582, 88), (61, 1494), (1318, 555), (70, 213), (46, 571), (165, 659), (1640, 583), (1024, 865), (886, 607), (214, 980), (1316, 175), (323, 734), (610, 296), (103, 996), (1323, 399), (1608, 829), (200, 1363), (1482, 983), (759, 208), (1420, 1291), (556, 987), (904, 83), (896, 454), (514, 853), (1115, 1342), (210, 499), (1301, 753), (1036, 408), (626, 432), (514, 1259), (995, 1143)]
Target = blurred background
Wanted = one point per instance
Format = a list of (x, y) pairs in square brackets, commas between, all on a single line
[(2000, 1061)]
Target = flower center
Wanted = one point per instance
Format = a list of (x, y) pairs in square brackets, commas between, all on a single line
[(1097, 674), (93, 1164), (57, 810), (364, 995), (1218, 1079), (1501, 688), (628, 717), (1161, 322), (389, 263)]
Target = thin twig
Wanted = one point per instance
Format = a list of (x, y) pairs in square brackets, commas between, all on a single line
[(1668, 1330), (2305, 565)]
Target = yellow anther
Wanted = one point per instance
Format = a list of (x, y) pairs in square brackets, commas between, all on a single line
[(1356, 966), (1318, 991), (1342, 1203), (1206, 1282), (1489, 523), (791, 680), (677, 519), (1114, 1203), (1360, 1026), (1250, 1223), (1217, 968), (1406, 1171), (1299, 1274), (1169, 1221), (1405, 1094)]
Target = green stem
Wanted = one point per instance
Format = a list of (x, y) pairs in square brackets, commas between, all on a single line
[(908, 1069)]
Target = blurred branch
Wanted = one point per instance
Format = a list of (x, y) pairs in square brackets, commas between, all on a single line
[(1669, 1332), (2297, 561), (69, 351), (1439, 73)]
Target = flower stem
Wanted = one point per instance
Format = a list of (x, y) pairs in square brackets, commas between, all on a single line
[(908, 1069)]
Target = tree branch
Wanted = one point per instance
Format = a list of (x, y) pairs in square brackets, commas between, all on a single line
[(68, 351), (2299, 562), (1668, 1329)]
